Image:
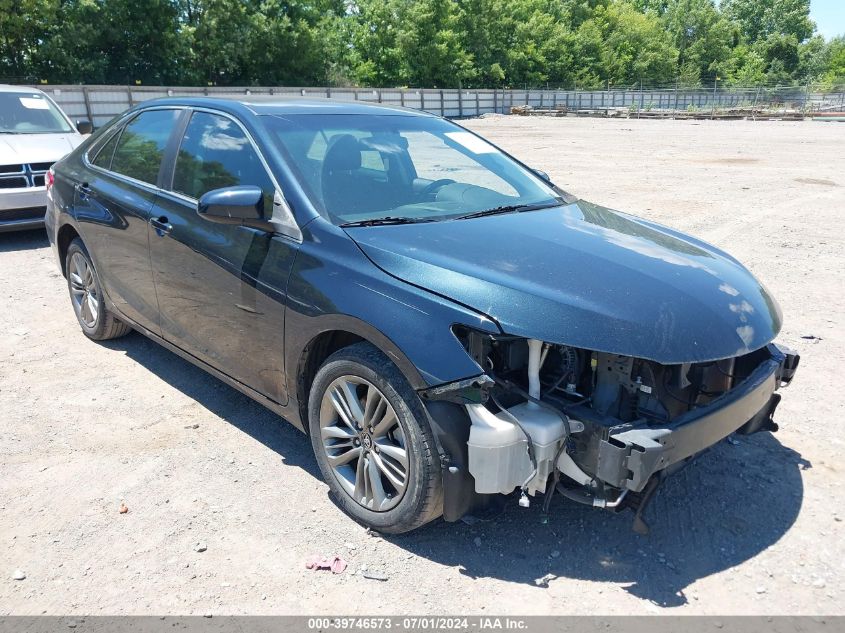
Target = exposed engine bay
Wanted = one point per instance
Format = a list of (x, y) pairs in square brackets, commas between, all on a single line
[(598, 427)]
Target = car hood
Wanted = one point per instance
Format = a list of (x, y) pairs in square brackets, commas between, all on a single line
[(36, 148), (586, 276)]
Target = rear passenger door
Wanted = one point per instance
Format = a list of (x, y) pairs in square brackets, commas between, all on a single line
[(112, 204), (221, 288)]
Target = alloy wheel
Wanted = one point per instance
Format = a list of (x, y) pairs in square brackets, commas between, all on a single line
[(365, 444), (83, 290)]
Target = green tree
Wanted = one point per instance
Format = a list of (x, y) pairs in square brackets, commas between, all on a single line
[(575, 12), (431, 45), (702, 36), (219, 38), (24, 24), (540, 50), (637, 48), (813, 58), (746, 67), (759, 19), (836, 61), (283, 46), (486, 27), (655, 6), (588, 49), (777, 32), (446, 43), (375, 57), (517, 42), (780, 53), (115, 42)]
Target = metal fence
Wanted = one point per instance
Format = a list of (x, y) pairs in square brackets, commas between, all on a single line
[(100, 103)]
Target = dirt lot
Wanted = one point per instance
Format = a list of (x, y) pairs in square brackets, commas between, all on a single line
[(751, 527)]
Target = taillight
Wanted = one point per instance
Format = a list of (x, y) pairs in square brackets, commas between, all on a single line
[(51, 178)]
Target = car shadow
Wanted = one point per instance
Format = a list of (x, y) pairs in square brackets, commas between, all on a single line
[(222, 400), (726, 507), (23, 240)]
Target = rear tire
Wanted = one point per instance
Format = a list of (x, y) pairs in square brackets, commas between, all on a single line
[(373, 441), (86, 296)]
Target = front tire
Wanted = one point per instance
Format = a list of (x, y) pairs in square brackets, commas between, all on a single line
[(86, 296), (373, 442)]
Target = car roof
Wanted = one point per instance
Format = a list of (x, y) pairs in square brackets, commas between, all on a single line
[(8, 88), (285, 105)]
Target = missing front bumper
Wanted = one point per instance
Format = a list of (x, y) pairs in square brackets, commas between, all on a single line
[(629, 458)]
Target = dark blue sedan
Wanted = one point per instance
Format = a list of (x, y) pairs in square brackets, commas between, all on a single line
[(443, 321)]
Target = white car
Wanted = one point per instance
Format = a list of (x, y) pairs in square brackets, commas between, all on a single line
[(34, 134)]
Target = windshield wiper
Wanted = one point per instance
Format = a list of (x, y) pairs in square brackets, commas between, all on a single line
[(383, 221), (510, 208)]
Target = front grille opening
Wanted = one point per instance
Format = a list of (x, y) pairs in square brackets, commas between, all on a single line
[(20, 176), (13, 183), (29, 213)]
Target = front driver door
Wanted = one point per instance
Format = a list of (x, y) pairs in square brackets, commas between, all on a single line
[(221, 288)]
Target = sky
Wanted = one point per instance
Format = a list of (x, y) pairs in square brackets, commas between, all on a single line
[(829, 16)]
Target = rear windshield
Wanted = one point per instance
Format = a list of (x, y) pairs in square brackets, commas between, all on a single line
[(365, 167), (30, 113)]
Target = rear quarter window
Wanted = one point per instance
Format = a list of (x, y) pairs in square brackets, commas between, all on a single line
[(104, 154)]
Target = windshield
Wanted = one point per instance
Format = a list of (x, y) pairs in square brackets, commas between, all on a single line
[(30, 113), (359, 168)]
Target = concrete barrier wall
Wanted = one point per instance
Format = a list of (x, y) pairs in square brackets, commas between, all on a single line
[(100, 103)]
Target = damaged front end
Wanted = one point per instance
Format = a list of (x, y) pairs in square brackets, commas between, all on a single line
[(598, 428)]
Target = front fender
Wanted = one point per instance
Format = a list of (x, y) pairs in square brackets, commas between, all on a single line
[(354, 325), (334, 286)]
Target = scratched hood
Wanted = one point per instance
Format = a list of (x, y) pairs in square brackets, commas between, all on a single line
[(36, 148), (586, 276)]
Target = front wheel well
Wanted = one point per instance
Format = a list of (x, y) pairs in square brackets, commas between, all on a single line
[(313, 356), (66, 235)]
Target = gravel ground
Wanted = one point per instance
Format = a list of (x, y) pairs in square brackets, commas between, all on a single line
[(750, 527)]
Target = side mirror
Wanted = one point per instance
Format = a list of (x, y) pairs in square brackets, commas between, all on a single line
[(542, 174), (241, 205), (84, 126)]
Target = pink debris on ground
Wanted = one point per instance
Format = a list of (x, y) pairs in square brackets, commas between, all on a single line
[(336, 564)]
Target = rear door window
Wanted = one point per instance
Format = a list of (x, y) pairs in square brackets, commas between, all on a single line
[(141, 146), (215, 153)]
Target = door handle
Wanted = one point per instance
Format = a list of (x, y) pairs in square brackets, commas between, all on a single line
[(83, 190), (161, 225)]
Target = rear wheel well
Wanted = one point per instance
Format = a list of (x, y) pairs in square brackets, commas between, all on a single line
[(313, 356), (66, 235)]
